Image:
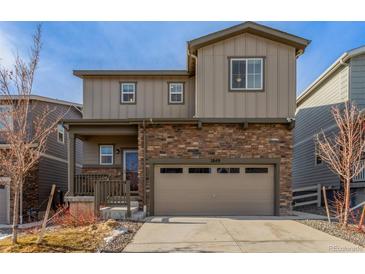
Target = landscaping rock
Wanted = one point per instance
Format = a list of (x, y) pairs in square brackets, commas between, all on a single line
[(120, 237), (351, 234)]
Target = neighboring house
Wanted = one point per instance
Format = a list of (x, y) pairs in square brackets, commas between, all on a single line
[(343, 81), (52, 167), (214, 139)]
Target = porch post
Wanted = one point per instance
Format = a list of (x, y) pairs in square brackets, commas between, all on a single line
[(71, 163)]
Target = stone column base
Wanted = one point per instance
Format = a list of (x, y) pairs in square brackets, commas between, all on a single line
[(81, 206)]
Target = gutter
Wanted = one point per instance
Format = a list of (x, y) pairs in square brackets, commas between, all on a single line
[(139, 121), (341, 61), (328, 72)]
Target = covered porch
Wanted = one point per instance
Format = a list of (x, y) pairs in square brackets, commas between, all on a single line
[(103, 169)]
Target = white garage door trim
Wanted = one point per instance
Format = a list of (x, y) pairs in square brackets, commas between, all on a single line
[(217, 161), (6, 180)]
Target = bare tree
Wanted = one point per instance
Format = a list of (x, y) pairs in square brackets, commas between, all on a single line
[(25, 138), (343, 150)]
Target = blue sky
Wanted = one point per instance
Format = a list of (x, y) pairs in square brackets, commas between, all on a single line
[(152, 45)]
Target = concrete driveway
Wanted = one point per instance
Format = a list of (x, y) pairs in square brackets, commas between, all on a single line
[(233, 234)]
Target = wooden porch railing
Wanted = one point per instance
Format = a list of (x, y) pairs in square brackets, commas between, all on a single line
[(112, 193), (84, 183)]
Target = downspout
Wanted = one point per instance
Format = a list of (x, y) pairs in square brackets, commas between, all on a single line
[(144, 167), (196, 82), (21, 204)]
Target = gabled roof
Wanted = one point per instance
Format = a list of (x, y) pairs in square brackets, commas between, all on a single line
[(297, 42), (45, 99), (346, 56), (249, 27)]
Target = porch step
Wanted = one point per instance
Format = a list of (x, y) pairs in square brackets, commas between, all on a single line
[(117, 212)]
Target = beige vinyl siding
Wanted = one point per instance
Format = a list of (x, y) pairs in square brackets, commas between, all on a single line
[(357, 80), (102, 98), (314, 115), (91, 147), (278, 97)]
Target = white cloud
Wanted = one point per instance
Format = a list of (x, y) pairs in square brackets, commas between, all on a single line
[(7, 49)]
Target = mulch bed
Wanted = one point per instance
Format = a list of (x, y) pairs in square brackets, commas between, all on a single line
[(122, 240), (351, 234)]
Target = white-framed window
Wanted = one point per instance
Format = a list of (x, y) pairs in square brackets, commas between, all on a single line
[(128, 93), (6, 118), (106, 154), (60, 134), (176, 93), (246, 74)]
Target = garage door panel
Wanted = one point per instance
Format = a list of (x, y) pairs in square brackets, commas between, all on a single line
[(214, 193)]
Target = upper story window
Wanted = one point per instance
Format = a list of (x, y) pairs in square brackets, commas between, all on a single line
[(106, 155), (60, 134), (246, 74), (6, 118), (176, 93), (128, 93)]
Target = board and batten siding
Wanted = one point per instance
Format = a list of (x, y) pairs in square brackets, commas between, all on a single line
[(277, 100), (312, 116), (91, 148), (102, 98), (357, 80)]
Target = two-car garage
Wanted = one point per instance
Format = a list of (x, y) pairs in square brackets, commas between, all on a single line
[(214, 189)]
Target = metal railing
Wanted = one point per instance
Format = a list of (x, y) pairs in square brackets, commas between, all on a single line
[(112, 193), (84, 183), (307, 196), (361, 176)]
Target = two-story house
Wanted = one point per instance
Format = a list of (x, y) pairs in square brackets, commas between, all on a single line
[(52, 166), (214, 139), (343, 81)]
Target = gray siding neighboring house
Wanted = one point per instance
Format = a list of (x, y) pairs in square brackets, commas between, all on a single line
[(52, 166), (344, 80)]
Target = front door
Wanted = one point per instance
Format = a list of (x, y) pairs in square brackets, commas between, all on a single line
[(130, 167)]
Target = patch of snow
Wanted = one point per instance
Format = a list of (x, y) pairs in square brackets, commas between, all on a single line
[(115, 233), (3, 236)]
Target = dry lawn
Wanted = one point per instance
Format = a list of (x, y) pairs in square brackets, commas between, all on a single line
[(62, 239)]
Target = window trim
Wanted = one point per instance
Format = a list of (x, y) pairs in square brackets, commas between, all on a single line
[(135, 93), (58, 134), (169, 93), (11, 118), (315, 156), (106, 164), (233, 58)]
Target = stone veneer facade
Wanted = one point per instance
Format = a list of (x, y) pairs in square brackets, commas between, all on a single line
[(219, 141)]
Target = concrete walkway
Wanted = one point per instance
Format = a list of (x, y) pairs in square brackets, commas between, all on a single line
[(233, 234)]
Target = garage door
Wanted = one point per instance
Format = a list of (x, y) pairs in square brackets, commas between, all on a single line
[(3, 205), (214, 190)]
